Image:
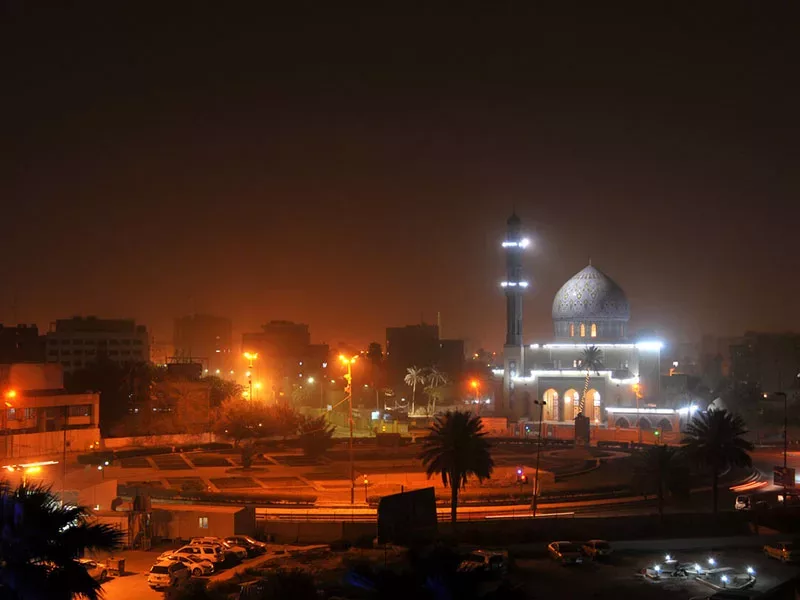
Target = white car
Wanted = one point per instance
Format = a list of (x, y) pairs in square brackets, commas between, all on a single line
[(197, 566), (167, 573), (210, 553), (97, 570), (238, 551)]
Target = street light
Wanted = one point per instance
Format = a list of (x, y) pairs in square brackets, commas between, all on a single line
[(541, 403), (250, 356), (366, 484), (349, 397)]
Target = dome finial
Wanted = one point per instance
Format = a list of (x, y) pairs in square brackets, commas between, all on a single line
[(590, 260)]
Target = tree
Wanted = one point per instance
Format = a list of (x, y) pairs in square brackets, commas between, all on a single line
[(414, 376), (240, 419), (457, 449), (715, 439), (592, 360), (283, 419), (40, 542), (655, 471), (316, 436), (222, 389), (436, 380)]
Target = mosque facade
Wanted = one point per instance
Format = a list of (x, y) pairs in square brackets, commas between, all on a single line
[(547, 378)]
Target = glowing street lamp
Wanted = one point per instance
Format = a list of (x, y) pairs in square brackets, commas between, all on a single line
[(349, 361), (250, 356)]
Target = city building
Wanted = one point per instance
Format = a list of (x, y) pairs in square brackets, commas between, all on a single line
[(420, 346), (21, 344), (39, 418), (590, 309), (205, 339), (286, 358), (768, 361), (80, 341)]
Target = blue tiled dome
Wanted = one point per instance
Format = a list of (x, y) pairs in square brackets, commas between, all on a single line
[(590, 295)]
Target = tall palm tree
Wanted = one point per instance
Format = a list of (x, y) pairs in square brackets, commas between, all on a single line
[(457, 449), (655, 469), (714, 439), (40, 542), (592, 360), (414, 376), (436, 380)]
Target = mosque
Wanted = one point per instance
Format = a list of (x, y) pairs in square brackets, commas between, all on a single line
[(547, 378)]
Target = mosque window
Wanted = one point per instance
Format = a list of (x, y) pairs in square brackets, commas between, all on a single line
[(594, 329), (572, 330), (583, 330)]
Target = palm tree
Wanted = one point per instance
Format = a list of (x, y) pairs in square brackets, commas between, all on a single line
[(40, 542), (656, 468), (436, 380), (457, 449), (714, 439), (592, 360), (414, 376)]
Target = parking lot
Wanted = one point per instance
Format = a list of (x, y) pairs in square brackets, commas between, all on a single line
[(133, 585), (619, 576)]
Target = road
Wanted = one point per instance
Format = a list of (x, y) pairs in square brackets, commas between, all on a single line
[(130, 587)]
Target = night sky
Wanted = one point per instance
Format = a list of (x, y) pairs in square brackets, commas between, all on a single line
[(354, 170)]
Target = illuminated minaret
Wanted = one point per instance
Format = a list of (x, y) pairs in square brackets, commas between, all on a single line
[(514, 284)]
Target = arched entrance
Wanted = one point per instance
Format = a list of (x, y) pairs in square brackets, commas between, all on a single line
[(592, 407), (623, 423), (644, 424), (571, 404), (550, 398), (665, 425)]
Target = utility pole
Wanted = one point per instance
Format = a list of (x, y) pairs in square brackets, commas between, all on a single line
[(349, 390), (541, 404)]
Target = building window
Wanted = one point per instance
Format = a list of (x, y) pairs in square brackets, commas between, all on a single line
[(113, 352), (583, 330), (83, 410), (29, 413), (137, 342), (202, 522), (572, 330), (126, 342), (52, 353), (594, 330)]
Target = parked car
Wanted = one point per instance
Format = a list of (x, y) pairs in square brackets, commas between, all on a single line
[(238, 551), (742, 503), (214, 554), (783, 551), (568, 553), (97, 570), (595, 549), (245, 541), (490, 561), (167, 573), (197, 566)]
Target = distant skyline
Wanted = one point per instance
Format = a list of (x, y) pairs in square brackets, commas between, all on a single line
[(354, 171)]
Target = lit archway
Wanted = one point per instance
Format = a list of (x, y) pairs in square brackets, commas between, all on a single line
[(645, 424), (571, 403), (550, 398), (623, 423), (665, 425), (592, 408)]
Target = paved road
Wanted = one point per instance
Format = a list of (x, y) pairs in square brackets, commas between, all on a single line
[(130, 587)]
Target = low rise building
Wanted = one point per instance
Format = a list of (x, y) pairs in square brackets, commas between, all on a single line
[(39, 419)]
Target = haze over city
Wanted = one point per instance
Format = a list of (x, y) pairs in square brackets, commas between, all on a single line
[(356, 172)]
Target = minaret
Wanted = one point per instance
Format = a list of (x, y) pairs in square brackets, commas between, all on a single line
[(514, 285)]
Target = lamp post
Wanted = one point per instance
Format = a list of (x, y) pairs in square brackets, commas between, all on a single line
[(785, 431), (541, 404), (349, 397), (250, 356), (476, 389), (366, 484)]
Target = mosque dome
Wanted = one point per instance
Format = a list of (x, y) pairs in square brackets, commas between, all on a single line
[(590, 304)]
